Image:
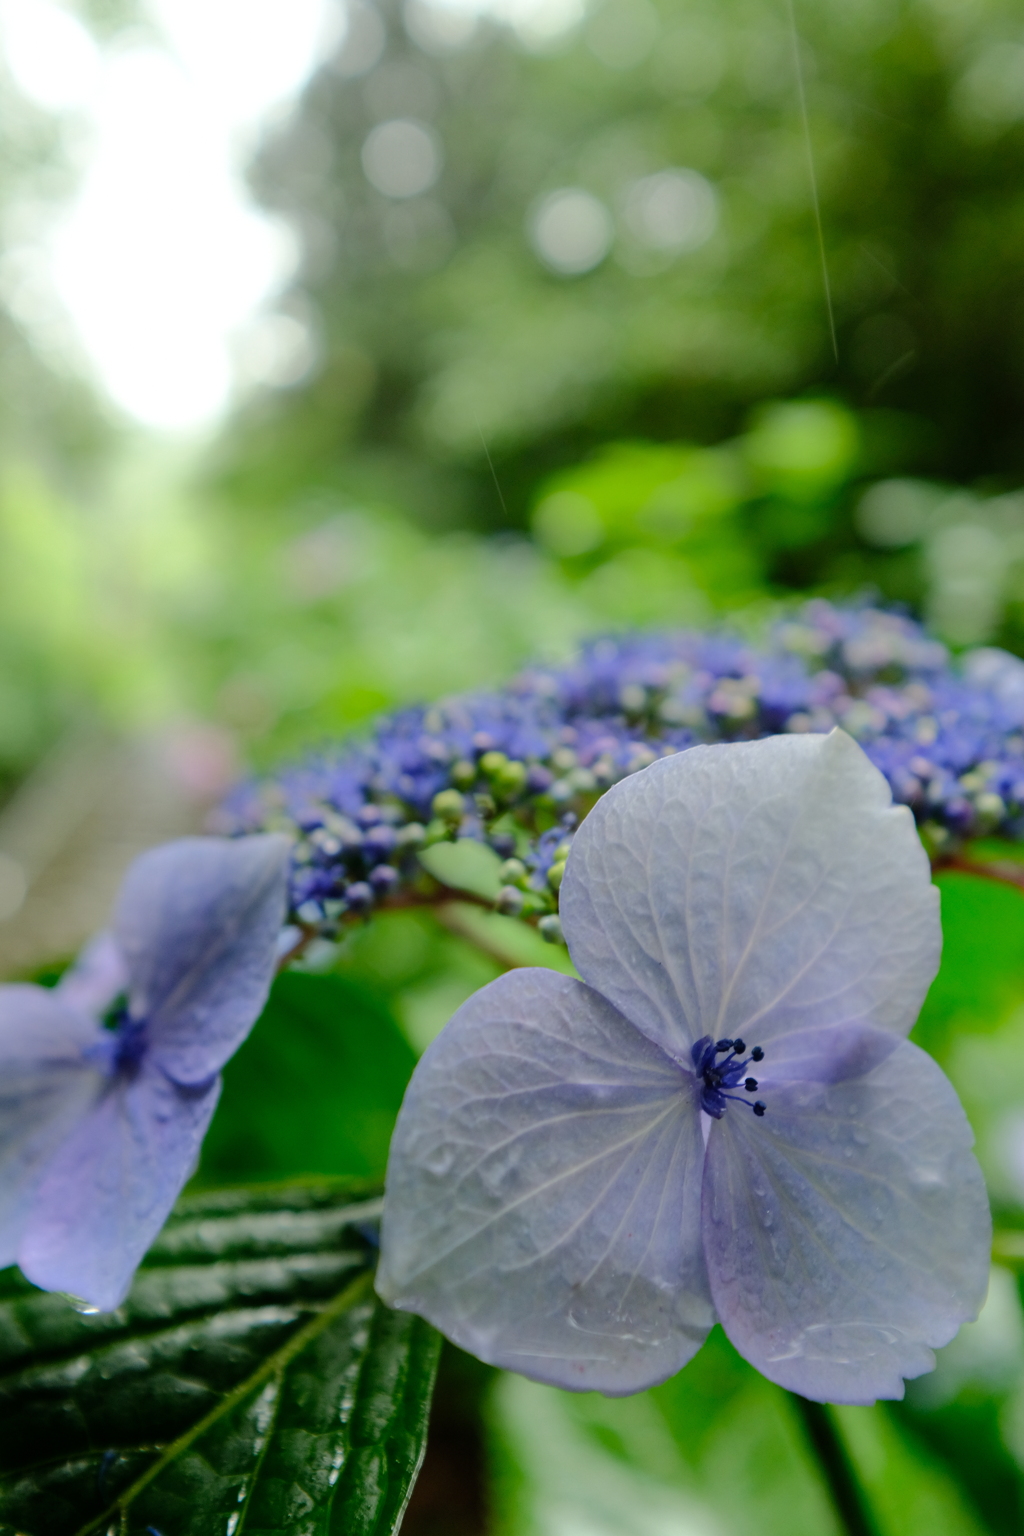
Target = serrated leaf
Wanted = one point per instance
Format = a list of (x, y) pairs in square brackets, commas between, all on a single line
[(251, 1383)]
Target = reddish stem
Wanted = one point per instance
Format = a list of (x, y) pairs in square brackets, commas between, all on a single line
[(1004, 871)]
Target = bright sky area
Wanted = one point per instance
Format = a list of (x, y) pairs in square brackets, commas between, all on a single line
[(161, 261), (163, 265)]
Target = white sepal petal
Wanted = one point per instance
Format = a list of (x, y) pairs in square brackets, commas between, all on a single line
[(750, 889), (47, 1083), (847, 1233), (111, 1184), (542, 1202)]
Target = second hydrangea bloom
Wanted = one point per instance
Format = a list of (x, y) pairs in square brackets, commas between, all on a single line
[(101, 1127), (561, 1202)]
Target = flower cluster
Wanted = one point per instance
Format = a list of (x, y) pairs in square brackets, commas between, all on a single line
[(518, 769)]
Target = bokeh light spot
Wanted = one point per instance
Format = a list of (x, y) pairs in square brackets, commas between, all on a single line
[(571, 231), (622, 33), (674, 210), (894, 513), (363, 43), (401, 158)]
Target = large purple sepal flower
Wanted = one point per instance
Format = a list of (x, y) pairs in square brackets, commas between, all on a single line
[(101, 1127), (585, 1174)]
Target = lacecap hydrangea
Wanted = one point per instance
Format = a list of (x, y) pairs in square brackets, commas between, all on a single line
[(723, 1119), (518, 770), (108, 1081)]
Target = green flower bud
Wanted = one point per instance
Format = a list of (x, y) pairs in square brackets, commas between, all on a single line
[(512, 871), (555, 874), (510, 901), (463, 774), (510, 780), (492, 763), (550, 928), (412, 835), (449, 805)]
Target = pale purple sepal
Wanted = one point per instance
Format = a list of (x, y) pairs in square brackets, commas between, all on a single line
[(197, 921), (750, 889), (46, 1085), (100, 1128), (111, 1185), (847, 1233), (823, 1055), (96, 979), (542, 1203)]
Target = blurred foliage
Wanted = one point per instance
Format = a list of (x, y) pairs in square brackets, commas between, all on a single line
[(48, 413), (508, 439), (55, 445), (313, 1035), (451, 307)]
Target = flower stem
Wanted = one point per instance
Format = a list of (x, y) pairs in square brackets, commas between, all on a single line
[(851, 1504)]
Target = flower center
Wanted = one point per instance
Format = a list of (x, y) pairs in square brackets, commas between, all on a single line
[(719, 1076), (131, 1042)]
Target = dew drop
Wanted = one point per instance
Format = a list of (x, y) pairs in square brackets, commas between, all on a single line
[(440, 1160)]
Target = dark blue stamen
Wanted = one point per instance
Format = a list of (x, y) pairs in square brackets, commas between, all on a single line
[(129, 1044), (132, 1044), (718, 1077)]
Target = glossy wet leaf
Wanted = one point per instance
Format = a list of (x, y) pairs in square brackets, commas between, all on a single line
[(250, 1384)]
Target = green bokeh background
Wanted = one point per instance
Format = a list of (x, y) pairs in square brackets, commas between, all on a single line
[(490, 460)]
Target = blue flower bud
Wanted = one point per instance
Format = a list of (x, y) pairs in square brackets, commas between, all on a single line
[(380, 842), (359, 896)]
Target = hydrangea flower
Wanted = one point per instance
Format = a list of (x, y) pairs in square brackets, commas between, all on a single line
[(507, 768), (101, 1126), (581, 1180)]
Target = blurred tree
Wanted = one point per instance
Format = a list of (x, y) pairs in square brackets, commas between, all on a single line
[(536, 240), (56, 441)]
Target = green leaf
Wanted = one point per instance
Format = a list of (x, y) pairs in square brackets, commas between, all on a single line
[(464, 866), (251, 1383), (507, 939), (314, 1090), (981, 979)]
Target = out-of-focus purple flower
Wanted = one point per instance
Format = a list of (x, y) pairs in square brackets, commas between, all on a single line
[(577, 1187), (101, 1126), (507, 768)]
